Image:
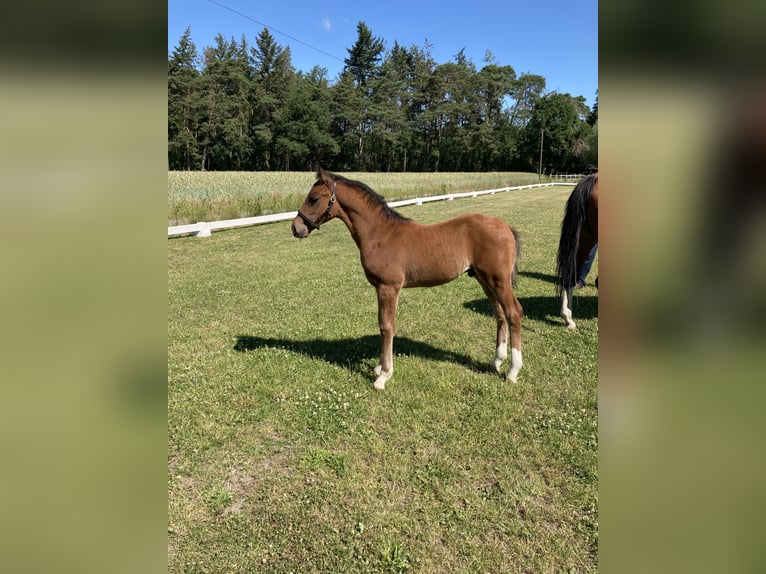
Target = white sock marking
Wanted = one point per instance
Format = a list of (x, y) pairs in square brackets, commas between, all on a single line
[(566, 312), (516, 363)]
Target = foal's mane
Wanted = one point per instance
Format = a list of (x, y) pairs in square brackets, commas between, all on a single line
[(374, 200)]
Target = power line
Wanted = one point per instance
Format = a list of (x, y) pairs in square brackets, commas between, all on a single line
[(275, 30)]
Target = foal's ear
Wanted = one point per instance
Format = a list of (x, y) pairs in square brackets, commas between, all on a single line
[(325, 176)]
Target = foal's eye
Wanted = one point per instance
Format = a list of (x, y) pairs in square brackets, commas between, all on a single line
[(313, 200)]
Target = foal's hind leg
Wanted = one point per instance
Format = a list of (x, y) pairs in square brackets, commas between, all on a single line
[(514, 312), (501, 348), (388, 297), (509, 313)]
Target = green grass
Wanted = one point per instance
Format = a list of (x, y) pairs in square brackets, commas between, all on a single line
[(282, 458), (212, 196)]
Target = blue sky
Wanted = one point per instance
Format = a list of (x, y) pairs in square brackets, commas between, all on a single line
[(557, 39)]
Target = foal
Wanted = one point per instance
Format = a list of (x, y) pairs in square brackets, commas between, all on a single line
[(397, 252)]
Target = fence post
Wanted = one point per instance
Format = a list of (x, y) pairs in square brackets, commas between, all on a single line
[(204, 229)]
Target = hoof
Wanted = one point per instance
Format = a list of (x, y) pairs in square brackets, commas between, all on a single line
[(383, 376)]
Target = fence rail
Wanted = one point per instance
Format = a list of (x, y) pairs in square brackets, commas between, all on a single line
[(567, 177), (205, 229)]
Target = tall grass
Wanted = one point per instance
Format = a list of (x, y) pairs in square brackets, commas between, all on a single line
[(282, 458), (213, 196)]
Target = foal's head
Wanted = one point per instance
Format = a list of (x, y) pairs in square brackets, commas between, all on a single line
[(319, 206)]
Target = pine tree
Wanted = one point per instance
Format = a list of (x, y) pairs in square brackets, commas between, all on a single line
[(364, 56), (225, 89), (273, 76), (183, 105)]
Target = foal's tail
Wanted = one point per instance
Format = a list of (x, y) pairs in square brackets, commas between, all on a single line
[(574, 216), (517, 245)]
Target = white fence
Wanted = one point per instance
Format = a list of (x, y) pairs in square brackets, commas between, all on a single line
[(567, 177), (204, 229)]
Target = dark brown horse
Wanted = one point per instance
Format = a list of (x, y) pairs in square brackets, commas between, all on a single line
[(397, 252), (579, 233)]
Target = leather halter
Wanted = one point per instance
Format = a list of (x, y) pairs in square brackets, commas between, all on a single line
[(310, 222)]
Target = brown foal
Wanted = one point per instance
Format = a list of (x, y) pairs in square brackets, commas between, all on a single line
[(397, 252)]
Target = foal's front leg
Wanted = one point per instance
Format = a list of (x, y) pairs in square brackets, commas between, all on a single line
[(388, 297)]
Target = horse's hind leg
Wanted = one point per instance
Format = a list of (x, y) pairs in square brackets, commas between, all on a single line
[(388, 297), (566, 295), (566, 309), (501, 348), (514, 312), (509, 312)]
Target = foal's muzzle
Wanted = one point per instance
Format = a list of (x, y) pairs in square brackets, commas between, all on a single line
[(300, 230)]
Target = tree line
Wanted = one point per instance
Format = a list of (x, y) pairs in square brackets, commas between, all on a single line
[(245, 108)]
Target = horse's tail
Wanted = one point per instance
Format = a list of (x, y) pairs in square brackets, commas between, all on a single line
[(517, 245), (574, 216)]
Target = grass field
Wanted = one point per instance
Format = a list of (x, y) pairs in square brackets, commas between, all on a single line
[(282, 458), (212, 196)]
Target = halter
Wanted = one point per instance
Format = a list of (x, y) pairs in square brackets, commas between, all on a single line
[(310, 222)]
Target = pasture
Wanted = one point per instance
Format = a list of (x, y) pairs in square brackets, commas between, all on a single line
[(212, 196), (282, 457)]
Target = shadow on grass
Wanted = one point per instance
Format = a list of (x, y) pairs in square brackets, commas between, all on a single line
[(356, 353), (544, 309), (540, 276)]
